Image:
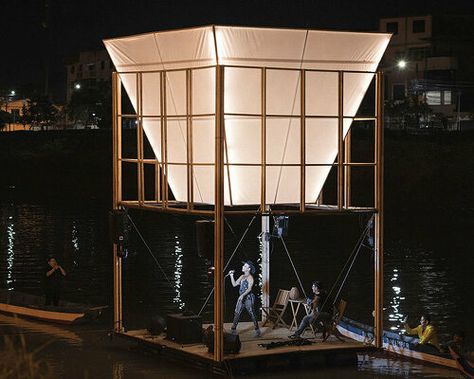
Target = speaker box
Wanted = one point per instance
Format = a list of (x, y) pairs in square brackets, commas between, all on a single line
[(280, 228), (205, 239), (117, 220), (232, 343), (157, 325), (183, 328)]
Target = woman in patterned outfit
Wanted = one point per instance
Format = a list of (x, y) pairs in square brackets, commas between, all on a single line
[(247, 298)]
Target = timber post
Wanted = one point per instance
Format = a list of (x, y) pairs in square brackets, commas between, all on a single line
[(219, 219), (265, 243), (117, 194), (378, 263)]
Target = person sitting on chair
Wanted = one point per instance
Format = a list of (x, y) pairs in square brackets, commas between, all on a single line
[(316, 304), (246, 298), (425, 332)]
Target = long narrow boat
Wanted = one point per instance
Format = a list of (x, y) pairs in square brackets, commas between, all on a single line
[(31, 306), (393, 343)]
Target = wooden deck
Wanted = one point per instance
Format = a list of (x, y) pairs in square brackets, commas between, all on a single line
[(321, 352)]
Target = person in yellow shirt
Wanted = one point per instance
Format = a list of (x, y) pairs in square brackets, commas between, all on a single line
[(425, 332)]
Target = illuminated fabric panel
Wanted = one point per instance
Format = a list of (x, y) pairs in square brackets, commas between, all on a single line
[(248, 50)]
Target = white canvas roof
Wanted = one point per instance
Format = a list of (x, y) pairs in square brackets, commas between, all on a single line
[(247, 50)]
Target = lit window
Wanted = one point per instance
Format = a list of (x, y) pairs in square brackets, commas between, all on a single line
[(433, 97), (447, 98)]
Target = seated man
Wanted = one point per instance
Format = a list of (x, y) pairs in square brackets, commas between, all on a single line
[(457, 343), (425, 332), (316, 303)]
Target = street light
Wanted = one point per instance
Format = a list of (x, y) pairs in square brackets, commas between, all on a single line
[(77, 86), (401, 64)]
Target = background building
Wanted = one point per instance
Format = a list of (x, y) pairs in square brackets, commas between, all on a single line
[(16, 108), (430, 59), (88, 70)]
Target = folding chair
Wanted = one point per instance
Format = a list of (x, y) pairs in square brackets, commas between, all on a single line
[(275, 313), (331, 328)]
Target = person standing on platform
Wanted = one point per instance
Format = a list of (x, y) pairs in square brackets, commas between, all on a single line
[(53, 278), (247, 298)]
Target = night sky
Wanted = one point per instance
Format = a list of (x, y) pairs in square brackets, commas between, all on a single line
[(47, 33)]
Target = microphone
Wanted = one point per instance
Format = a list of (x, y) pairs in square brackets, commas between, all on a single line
[(228, 274)]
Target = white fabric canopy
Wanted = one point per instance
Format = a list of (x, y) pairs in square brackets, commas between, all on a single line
[(247, 50)]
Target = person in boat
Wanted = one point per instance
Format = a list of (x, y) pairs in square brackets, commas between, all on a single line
[(425, 332), (246, 297), (53, 278), (315, 303), (464, 366), (457, 343)]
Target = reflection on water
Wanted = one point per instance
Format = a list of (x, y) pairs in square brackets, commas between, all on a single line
[(75, 243), (13, 325), (395, 316), (381, 363), (178, 273), (261, 247), (117, 370), (10, 252)]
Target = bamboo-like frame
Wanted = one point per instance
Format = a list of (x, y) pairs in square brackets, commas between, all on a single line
[(379, 242), (161, 202), (342, 164), (117, 195)]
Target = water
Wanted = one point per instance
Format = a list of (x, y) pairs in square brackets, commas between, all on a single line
[(428, 266)]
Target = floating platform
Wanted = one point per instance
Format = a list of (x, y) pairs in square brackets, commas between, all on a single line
[(252, 356)]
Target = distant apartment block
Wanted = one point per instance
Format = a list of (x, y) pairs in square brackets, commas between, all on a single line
[(432, 58), (87, 70)]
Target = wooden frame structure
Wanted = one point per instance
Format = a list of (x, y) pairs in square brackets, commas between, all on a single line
[(162, 203)]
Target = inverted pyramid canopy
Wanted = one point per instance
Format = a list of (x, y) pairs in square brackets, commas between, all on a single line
[(245, 51)]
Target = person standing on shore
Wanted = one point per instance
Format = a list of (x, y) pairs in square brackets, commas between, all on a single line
[(53, 278)]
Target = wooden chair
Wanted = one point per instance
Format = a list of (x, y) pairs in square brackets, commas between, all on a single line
[(331, 327), (275, 313)]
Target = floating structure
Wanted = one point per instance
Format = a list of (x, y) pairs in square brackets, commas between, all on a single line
[(247, 121)]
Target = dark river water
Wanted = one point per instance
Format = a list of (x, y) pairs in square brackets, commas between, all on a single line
[(429, 264)]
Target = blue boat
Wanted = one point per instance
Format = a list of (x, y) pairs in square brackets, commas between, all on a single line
[(395, 343)]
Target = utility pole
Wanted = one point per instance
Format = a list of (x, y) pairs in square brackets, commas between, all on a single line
[(458, 122), (46, 45)]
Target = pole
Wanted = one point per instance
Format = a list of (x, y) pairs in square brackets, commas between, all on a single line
[(117, 194), (265, 242), (459, 112), (347, 169), (219, 219), (340, 142), (378, 266)]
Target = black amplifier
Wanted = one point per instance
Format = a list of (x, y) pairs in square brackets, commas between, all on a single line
[(183, 328)]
